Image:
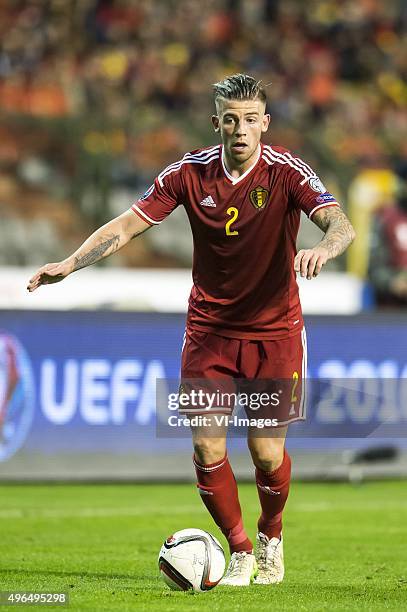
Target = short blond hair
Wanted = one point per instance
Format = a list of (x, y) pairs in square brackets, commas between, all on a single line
[(239, 87)]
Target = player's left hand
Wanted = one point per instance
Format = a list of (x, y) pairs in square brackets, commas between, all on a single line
[(309, 262)]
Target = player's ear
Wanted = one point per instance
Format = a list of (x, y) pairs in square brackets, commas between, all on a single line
[(215, 123), (265, 122)]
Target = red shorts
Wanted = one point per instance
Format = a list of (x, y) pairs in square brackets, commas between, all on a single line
[(247, 368)]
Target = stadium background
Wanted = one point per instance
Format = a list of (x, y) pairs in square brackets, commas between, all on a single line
[(95, 98)]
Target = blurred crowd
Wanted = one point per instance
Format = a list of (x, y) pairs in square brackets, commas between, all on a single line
[(96, 96)]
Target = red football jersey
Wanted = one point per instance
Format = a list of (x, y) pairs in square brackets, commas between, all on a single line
[(244, 231)]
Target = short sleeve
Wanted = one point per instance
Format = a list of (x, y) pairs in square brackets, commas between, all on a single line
[(164, 195), (306, 190)]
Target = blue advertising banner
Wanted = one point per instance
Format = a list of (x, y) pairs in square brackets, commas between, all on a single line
[(79, 385)]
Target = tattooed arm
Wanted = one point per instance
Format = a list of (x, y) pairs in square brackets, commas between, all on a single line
[(339, 234), (106, 240)]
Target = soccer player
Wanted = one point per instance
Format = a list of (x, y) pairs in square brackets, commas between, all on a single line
[(244, 201)]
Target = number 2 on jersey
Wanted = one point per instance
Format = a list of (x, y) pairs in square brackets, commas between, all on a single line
[(234, 213), (294, 397)]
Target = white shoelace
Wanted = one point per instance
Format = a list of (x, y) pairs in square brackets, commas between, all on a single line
[(237, 564), (268, 557)]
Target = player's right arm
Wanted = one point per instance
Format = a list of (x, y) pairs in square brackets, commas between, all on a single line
[(103, 242), (157, 203)]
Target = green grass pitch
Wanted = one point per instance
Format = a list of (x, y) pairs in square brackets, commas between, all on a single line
[(345, 546)]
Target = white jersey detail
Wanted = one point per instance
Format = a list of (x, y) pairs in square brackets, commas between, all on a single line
[(201, 155), (296, 160), (322, 206), (272, 156), (208, 201), (303, 401), (143, 214), (283, 160), (197, 158), (235, 180)]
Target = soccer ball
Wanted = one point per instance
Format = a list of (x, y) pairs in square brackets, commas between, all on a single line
[(191, 559)]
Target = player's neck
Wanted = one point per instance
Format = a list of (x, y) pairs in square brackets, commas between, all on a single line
[(235, 169)]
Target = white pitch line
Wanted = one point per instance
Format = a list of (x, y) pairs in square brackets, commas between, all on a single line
[(337, 505), (94, 512)]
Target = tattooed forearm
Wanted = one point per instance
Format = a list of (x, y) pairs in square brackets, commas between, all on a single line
[(339, 233), (138, 232), (91, 257)]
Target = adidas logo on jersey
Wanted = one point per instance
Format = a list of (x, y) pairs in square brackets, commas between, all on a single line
[(208, 201)]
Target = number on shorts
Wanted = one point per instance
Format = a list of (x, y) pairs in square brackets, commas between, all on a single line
[(294, 397)]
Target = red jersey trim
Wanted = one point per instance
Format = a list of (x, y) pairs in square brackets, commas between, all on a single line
[(140, 213), (322, 206)]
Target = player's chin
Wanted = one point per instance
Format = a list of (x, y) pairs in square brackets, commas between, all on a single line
[(241, 154)]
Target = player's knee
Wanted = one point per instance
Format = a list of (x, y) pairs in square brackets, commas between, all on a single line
[(267, 455), (209, 450)]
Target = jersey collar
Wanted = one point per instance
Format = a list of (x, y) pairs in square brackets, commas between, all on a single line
[(233, 179)]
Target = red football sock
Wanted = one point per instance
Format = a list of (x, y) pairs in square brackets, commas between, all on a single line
[(218, 489), (273, 488)]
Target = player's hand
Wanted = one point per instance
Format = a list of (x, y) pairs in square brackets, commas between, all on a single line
[(48, 274), (309, 262)]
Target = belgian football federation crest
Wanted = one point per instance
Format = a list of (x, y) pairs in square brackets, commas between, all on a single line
[(259, 197)]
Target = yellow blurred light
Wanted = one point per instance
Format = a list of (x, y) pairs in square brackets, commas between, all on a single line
[(117, 141), (393, 87), (94, 143), (176, 54), (114, 65)]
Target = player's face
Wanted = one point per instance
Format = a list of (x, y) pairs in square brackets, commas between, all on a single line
[(240, 123)]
